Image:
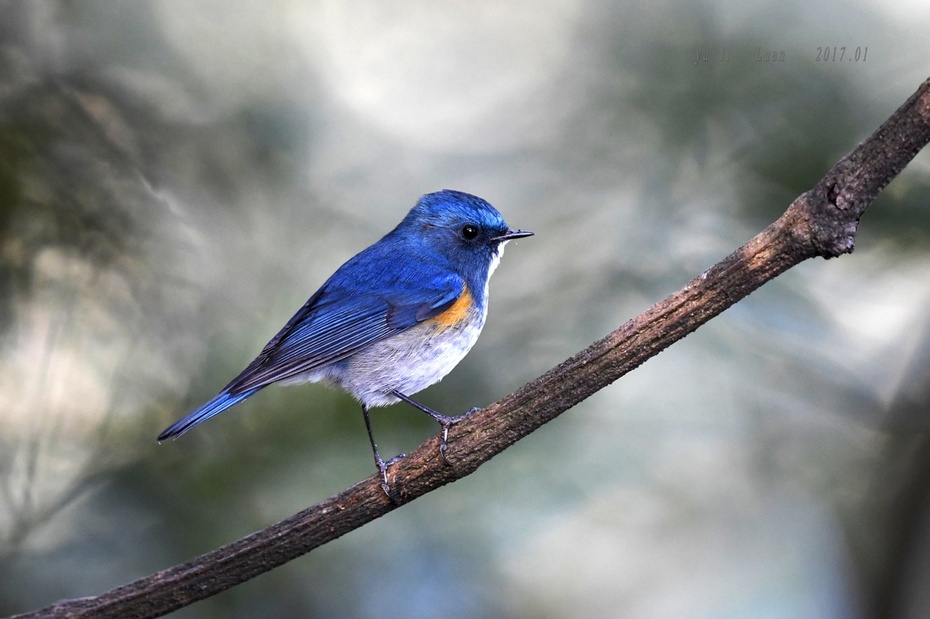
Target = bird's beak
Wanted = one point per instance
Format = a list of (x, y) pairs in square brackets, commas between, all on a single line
[(512, 234)]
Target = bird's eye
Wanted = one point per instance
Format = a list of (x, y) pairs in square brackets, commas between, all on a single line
[(469, 232)]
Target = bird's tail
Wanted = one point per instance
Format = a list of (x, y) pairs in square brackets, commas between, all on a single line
[(212, 408)]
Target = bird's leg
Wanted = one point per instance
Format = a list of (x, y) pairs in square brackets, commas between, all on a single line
[(445, 421), (382, 466)]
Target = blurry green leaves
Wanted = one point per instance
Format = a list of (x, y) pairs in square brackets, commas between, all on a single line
[(64, 187), (693, 92), (12, 255)]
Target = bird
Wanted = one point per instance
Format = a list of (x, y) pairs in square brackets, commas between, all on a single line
[(391, 321)]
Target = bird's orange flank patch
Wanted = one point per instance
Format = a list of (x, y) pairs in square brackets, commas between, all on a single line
[(456, 314)]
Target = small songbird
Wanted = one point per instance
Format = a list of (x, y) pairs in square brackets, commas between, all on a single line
[(391, 321)]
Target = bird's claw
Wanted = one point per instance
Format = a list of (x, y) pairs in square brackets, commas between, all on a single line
[(395, 459), (382, 468), (444, 439), (446, 423)]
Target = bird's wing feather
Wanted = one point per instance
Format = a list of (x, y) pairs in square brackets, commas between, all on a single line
[(333, 325)]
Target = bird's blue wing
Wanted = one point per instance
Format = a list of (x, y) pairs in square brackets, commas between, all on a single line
[(335, 325)]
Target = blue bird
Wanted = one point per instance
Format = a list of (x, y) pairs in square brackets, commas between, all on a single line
[(391, 321)]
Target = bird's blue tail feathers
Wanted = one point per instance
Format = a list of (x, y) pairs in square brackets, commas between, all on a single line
[(212, 408)]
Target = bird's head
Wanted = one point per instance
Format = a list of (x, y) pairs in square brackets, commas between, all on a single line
[(463, 228)]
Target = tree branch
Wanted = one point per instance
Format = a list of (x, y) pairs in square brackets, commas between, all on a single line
[(821, 222)]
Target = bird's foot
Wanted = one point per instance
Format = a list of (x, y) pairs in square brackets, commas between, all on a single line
[(445, 423), (395, 459), (385, 484), (382, 467)]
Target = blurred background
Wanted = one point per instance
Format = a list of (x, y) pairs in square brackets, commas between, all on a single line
[(177, 178)]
